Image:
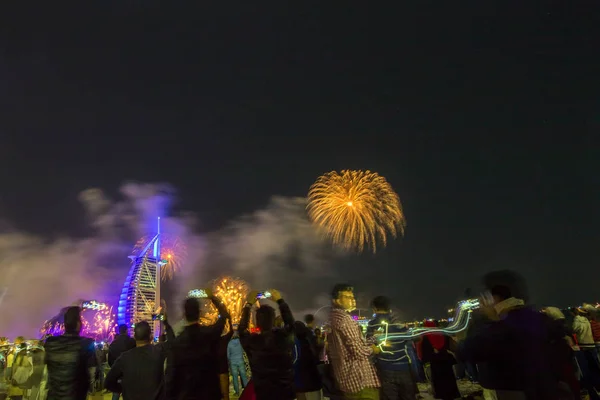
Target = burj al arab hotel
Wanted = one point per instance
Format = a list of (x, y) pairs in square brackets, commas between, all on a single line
[(140, 296)]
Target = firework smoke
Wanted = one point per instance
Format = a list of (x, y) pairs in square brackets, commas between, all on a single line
[(43, 277), (273, 247)]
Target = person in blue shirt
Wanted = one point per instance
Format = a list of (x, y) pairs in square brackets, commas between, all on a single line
[(394, 361), (237, 366)]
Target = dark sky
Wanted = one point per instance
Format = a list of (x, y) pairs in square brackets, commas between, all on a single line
[(483, 115)]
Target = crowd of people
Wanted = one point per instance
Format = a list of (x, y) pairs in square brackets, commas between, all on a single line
[(510, 349)]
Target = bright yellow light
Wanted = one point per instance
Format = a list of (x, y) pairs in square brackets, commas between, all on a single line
[(233, 293), (355, 209)]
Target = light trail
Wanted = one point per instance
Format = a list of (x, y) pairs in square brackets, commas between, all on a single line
[(459, 324)]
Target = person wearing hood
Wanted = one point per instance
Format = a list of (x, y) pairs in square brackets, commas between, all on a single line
[(517, 345)]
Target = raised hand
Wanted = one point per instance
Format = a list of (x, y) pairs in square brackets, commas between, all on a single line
[(163, 306), (275, 295), (251, 298)]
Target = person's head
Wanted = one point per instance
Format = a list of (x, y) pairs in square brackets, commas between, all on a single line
[(505, 284), (191, 310), (342, 297), (317, 332), (381, 305), (142, 333), (581, 312), (265, 318), (72, 320), (19, 340), (309, 320), (122, 329)]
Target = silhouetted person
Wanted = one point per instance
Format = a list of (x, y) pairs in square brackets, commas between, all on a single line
[(518, 345), (307, 380), (139, 370), (309, 321), (192, 363), (120, 345), (222, 358), (71, 361), (270, 351), (439, 363)]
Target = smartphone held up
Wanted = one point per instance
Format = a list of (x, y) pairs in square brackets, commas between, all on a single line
[(198, 294), (158, 317), (263, 295)]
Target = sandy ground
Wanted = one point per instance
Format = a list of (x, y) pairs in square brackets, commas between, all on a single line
[(466, 388)]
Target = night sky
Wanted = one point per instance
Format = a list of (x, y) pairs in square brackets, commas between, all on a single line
[(482, 115)]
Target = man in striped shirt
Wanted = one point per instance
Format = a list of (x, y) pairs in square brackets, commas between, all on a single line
[(349, 353)]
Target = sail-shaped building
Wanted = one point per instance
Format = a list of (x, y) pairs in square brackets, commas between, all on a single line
[(140, 296)]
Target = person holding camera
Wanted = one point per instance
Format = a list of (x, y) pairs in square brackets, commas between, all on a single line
[(192, 361), (270, 350)]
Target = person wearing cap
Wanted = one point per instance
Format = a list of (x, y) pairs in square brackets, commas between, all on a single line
[(583, 329)]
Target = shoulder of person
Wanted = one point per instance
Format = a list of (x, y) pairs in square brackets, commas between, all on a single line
[(51, 339), (88, 343), (339, 314)]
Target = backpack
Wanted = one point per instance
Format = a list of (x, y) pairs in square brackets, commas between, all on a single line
[(22, 370)]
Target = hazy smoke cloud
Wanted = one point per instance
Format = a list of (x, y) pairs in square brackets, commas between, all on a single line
[(41, 277), (269, 242), (273, 247)]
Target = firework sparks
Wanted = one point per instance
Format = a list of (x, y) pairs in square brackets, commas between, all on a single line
[(173, 254), (98, 324), (232, 292), (355, 209)]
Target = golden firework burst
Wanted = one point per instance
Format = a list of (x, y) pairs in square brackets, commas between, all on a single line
[(356, 209), (232, 292)]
